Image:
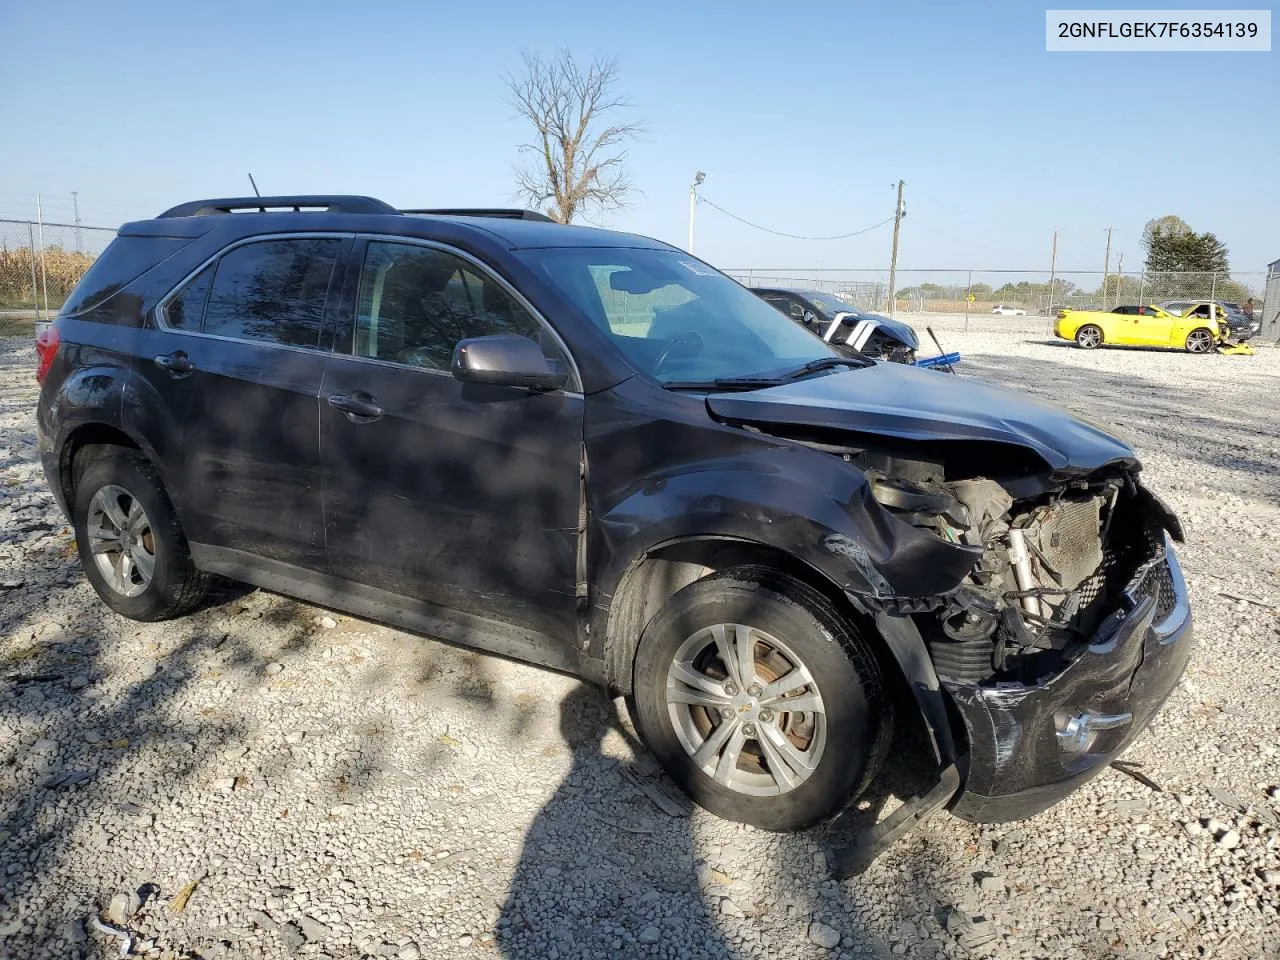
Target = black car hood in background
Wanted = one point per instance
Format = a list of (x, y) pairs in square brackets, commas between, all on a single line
[(901, 331), (897, 400)]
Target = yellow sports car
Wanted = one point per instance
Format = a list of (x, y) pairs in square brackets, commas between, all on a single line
[(1196, 331)]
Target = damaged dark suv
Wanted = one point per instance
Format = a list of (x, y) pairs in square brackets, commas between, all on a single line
[(595, 452)]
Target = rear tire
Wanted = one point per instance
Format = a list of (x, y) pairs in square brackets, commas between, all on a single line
[(738, 751), (1089, 337), (131, 544), (1200, 340)]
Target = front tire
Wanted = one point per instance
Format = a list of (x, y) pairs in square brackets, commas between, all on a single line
[(1199, 340), (130, 542), (1089, 337), (760, 701)]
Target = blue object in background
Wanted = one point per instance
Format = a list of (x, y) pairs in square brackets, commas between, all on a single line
[(943, 360)]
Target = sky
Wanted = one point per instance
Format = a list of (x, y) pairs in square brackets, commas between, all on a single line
[(804, 117)]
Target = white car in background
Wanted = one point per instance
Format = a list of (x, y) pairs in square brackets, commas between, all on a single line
[(1001, 310)]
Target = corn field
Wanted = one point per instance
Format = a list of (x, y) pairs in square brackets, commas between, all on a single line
[(56, 272)]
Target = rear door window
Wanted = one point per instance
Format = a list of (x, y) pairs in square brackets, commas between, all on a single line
[(272, 291)]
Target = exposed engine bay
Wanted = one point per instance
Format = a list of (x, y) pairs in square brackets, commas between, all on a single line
[(1055, 557)]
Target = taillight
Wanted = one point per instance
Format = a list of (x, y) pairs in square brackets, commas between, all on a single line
[(46, 350)]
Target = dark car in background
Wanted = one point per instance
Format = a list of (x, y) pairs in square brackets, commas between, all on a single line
[(844, 326), (595, 452), (1240, 325)]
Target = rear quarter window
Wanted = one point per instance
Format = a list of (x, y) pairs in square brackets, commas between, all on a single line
[(124, 261)]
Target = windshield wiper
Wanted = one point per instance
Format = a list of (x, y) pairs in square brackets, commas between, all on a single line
[(826, 363), (760, 382), (725, 383)]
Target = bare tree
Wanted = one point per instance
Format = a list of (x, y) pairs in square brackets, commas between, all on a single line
[(578, 160)]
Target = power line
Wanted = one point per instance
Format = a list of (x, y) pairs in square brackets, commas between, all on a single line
[(791, 236)]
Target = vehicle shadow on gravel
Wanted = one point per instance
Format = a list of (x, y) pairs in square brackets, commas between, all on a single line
[(607, 871)]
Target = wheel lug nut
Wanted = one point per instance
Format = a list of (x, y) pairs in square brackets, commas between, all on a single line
[(731, 689), (766, 716), (754, 690), (726, 713), (749, 729)]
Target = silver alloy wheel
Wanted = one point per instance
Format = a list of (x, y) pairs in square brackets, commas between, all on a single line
[(1199, 341), (1089, 337), (121, 540), (746, 709)]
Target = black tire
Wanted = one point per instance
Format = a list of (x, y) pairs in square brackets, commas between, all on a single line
[(1200, 341), (858, 714), (1089, 337), (176, 587)]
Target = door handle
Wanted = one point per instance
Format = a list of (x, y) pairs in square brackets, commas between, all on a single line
[(359, 407), (176, 364)]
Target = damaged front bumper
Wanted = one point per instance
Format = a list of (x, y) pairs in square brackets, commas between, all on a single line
[(1032, 744)]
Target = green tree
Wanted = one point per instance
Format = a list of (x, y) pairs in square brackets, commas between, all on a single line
[(1172, 246)]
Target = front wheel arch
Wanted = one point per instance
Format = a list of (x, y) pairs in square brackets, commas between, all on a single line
[(778, 612), (1200, 340), (664, 570)]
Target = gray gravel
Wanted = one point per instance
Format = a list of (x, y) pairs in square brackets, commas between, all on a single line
[(267, 779)]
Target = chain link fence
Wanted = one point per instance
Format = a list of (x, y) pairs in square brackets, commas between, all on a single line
[(976, 295), (40, 264)]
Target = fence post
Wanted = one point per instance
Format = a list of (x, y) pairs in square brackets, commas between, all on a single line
[(44, 271), (35, 286), (967, 294), (1142, 289), (1213, 286)]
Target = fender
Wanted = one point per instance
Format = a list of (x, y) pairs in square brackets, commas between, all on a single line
[(807, 504), (104, 391)]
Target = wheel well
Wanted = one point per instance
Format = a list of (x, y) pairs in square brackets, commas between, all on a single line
[(86, 444), (653, 578)]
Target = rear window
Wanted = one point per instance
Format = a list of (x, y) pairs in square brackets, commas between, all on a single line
[(124, 260)]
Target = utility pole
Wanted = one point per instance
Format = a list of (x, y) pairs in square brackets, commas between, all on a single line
[(75, 205), (1053, 270), (1106, 269), (899, 212), (693, 204)]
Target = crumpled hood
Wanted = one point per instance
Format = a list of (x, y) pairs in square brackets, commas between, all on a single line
[(902, 331), (910, 403)]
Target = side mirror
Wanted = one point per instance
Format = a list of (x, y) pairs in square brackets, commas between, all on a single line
[(505, 360)]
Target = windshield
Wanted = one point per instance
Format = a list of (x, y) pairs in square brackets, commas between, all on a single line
[(674, 317), (831, 304)]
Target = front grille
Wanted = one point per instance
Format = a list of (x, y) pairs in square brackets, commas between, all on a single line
[(1157, 582), (1166, 596)]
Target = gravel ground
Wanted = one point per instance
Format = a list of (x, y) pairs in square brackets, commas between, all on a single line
[(267, 779)]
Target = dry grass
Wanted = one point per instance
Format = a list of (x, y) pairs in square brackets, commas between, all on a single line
[(61, 270)]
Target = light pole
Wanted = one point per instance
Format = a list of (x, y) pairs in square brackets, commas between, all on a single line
[(693, 204)]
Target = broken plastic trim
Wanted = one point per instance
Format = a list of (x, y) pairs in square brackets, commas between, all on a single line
[(854, 859)]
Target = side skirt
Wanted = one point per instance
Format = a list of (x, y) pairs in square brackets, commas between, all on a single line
[(418, 616)]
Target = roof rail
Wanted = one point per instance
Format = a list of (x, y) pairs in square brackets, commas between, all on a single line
[(508, 214), (324, 202)]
